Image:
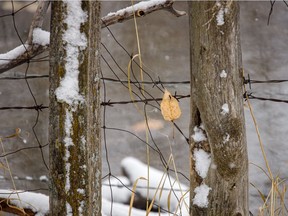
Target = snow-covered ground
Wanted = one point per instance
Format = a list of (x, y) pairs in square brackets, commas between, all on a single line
[(166, 193)]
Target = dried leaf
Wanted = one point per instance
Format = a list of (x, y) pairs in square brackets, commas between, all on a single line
[(170, 107)]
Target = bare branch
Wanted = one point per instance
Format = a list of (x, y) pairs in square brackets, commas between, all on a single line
[(38, 19), (31, 50), (141, 9)]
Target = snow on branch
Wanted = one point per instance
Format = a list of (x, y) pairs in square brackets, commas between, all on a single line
[(14, 58), (38, 19), (141, 9), (32, 47)]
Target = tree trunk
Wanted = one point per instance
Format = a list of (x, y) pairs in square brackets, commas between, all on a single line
[(74, 128), (217, 111)]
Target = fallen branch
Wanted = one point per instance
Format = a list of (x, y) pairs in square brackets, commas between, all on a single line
[(30, 49), (24, 203), (5, 206)]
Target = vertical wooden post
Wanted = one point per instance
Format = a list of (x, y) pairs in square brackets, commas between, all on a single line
[(74, 127), (217, 111)]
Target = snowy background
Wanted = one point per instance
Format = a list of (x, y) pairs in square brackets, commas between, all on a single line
[(165, 51)]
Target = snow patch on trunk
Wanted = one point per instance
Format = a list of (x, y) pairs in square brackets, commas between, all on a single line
[(223, 74), (201, 196), (74, 41), (220, 17), (202, 162), (68, 142), (225, 109), (199, 135)]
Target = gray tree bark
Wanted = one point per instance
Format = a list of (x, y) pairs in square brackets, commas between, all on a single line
[(75, 166), (217, 105)]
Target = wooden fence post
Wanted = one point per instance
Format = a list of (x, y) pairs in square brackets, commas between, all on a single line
[(74, 127), (219, 161)]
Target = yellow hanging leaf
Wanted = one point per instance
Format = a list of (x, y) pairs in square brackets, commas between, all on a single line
[(170, 107)]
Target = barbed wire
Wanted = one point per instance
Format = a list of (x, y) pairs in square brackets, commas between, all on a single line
[(36, 107), (157, 82), (251, 96), (249, 81), (21, 77), (111, 103), (142, 95)]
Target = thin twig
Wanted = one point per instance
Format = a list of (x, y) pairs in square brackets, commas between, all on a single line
[(33, 50), (272, 2)]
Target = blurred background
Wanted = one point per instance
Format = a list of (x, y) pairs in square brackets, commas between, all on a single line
[(164, 41)]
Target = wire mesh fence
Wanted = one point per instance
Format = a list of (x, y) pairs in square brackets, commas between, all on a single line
[(24, 150), (132, 121), (133, 128)]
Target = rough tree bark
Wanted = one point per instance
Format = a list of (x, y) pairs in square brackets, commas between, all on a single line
[(74, 129), (217, 104)]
